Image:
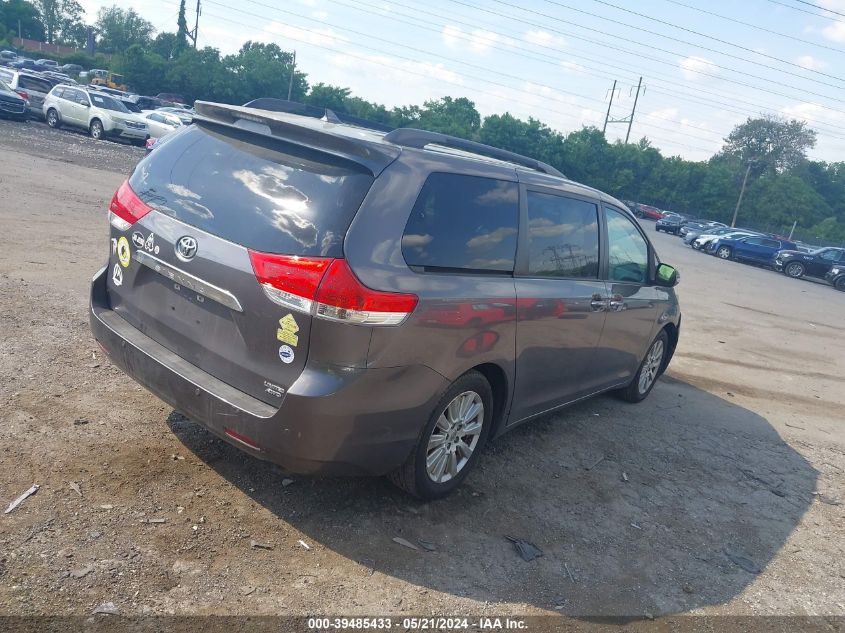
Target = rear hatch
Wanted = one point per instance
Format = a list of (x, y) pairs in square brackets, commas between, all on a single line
[(36, 88), (220, 206)]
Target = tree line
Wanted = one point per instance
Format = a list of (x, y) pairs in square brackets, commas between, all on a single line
[(783, 185)]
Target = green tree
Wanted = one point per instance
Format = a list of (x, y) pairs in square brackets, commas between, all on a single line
[(326, 96), (164, 45), (457, 117), (12, 11), (264, 70), (62, 21), (530, 138), (181, 32), (771, 144), (120, 29)]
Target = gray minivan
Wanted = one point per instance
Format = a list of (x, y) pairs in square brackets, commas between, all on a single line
[(341, 300)]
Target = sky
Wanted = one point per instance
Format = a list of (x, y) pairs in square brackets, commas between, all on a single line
[(703, 71)]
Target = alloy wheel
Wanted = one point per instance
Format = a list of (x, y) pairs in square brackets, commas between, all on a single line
[(651, 366), (724, 252), (454, 437), (795, 270)]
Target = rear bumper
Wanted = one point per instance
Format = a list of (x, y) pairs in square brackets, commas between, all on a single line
[(332, 420)]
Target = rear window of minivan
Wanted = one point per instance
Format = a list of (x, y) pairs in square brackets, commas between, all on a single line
[(257, 192)]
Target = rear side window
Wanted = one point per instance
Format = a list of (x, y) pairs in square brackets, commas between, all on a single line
[(253, 191), (464, 223), (58, 91), (563, 237), (36, 85)]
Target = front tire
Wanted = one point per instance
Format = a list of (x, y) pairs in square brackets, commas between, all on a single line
[(96, 130), (650, 370), (839, 284), (53, 119), (724, 252), (451, 441), (794, 269)]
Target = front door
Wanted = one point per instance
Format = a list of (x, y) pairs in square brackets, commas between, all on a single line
[(560, 302), (634, 303)]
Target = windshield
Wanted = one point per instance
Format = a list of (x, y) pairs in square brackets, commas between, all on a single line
[(107, 103)]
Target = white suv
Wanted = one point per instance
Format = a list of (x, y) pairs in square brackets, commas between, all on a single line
[(102, 115)]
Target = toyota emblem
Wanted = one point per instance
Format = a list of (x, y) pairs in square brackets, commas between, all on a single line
[(186, 248)]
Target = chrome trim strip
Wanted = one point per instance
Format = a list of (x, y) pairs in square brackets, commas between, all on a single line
[(190, 281)]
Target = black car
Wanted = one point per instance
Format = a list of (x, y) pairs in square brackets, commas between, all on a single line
[(836, 276), (670, 223), (12, 105), (816, 264)]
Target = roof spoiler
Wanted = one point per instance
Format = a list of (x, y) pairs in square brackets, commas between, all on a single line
[(374, 156), (331, 116), (412, 137)]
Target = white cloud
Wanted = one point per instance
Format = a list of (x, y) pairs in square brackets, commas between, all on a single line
[(479, 41), (544, 38), (572, 67), (321, 37), (320, 15), (693, 66), (811, 63), (835, 31), (663, 114)]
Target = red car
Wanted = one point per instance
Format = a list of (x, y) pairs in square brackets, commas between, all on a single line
[(648, 212)]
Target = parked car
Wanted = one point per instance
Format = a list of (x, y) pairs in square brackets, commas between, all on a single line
[(30, 86), (172, 97), (313, 254), (22, 63), (56, 78), (753, 248), (71, 69), (161, 123), (700, 241), (647, 212), (670, 223), (836, 277), (12, 105), (7, 56), (102, 115), (816, 264), (185, 116), (48, 64)]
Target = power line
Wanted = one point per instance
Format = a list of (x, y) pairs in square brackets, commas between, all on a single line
[(322, 47), (704, 35), (663, 50), (794, 8), (605, 44), (555, 61), (755, 26), (822, 8), (499, 73)]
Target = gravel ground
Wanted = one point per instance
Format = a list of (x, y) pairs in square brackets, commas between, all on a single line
[(721, 494)]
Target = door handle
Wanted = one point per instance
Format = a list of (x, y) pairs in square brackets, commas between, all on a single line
[(598, 303), (616, 303)]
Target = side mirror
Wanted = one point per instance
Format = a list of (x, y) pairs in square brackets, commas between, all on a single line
[(666, 276)]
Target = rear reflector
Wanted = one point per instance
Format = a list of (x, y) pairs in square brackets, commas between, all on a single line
[(126, 207), (328, 289), (243, 439)]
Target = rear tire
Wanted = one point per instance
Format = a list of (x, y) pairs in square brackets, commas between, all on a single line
[(650, 370), (794, 269), (445, 439), (53, 119), (839, 284), (724, 252), (96, 130)]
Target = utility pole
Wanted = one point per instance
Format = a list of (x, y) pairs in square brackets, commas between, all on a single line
[(631, 120), (607, 116), (794, 224), (292, 72), (20, 37), (193, 34), (741, 193)]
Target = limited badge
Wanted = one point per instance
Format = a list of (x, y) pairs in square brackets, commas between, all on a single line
[(286, 354), (287, 330), (117, 275), (123, 254)]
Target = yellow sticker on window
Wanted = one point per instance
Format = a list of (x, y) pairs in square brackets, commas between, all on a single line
[(288, 328)]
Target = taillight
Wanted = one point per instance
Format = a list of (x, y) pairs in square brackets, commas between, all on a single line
[(341, 297), (23, 93), (327, 288), (126, 207), (289, 280)]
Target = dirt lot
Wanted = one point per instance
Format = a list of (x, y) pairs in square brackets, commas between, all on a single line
[(723, 493)]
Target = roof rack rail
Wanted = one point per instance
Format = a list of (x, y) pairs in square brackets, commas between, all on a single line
[(294, 107), (412, 137)]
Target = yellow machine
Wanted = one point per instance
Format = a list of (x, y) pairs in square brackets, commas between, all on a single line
[(110, 80)]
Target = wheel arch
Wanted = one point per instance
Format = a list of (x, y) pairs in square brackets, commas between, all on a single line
[(499, 385), (674, 333)]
